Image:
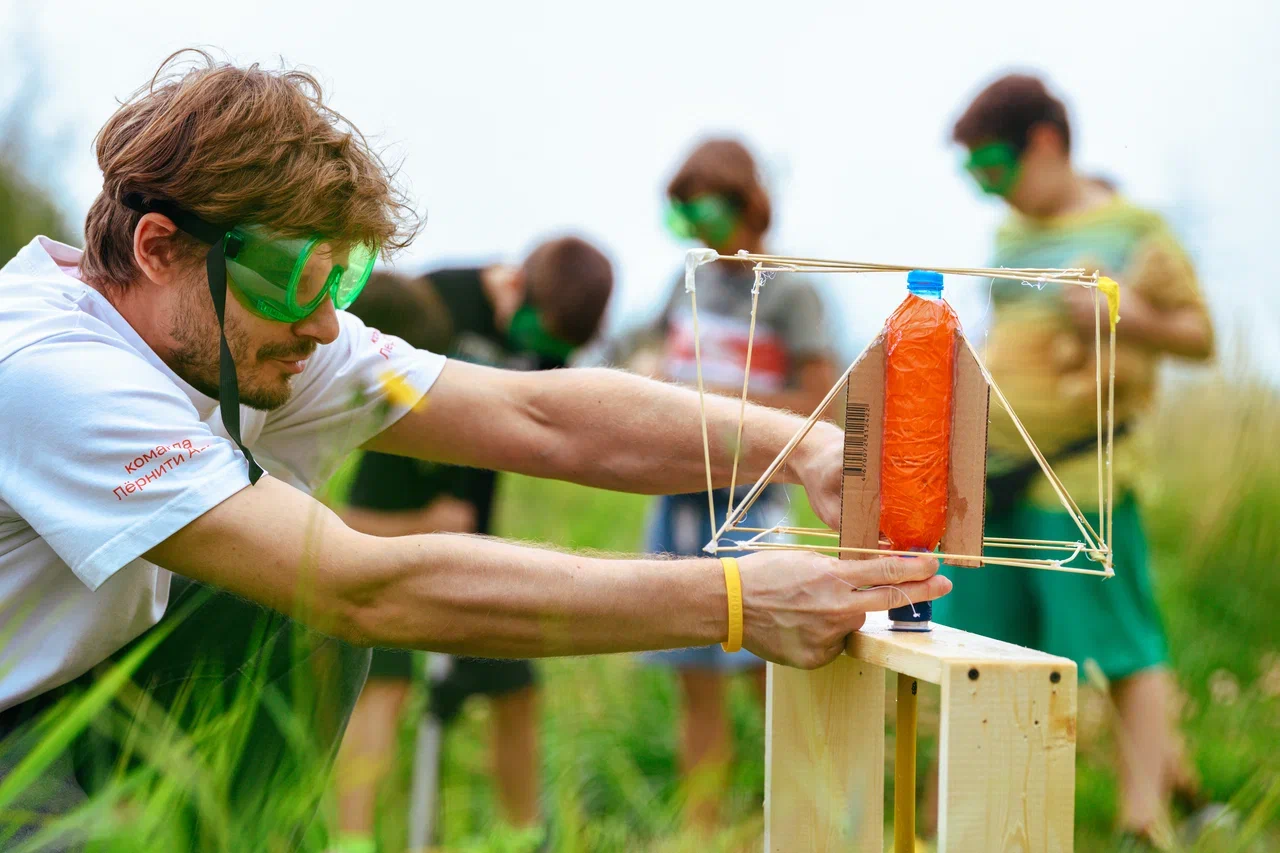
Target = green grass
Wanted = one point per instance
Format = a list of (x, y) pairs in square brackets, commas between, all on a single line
[(609, 725)]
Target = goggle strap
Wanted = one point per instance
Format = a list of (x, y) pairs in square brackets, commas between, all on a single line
[(228, 387), (186, 221)]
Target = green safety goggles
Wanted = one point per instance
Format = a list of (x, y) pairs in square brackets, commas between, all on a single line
[(995, 167), (286, 279), (280, 278), (710, 218), (528, 334)]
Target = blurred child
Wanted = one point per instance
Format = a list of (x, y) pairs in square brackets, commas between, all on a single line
[(531, 316), (717, 198), (1040, 351)]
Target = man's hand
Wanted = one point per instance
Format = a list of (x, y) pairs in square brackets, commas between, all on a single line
[(800, 608), (818, 465)]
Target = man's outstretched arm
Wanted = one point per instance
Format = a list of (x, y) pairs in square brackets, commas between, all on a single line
[(483, 597), (609, 429)]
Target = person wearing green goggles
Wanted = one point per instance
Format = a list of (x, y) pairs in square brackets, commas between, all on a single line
[(1019, 139), (275, 277), (528, 316)]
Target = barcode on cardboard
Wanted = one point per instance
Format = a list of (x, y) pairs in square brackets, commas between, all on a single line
[(857, 424)]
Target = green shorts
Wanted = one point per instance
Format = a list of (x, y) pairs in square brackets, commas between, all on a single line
[(1113, 622)]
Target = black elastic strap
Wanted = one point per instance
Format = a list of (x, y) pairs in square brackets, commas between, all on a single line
[(188, 222), (216, 268), (228, 387)]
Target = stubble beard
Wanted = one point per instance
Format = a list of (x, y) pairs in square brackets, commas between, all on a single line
[(196, 358)]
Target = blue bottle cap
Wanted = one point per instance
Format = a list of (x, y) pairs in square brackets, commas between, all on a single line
[(925, 283)]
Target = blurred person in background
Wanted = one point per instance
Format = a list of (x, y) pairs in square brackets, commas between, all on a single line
[(1041, 352), (718, 199), (528, 316)]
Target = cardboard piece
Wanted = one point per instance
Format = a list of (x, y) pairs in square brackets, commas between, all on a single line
[(864, 442), (967, 483)]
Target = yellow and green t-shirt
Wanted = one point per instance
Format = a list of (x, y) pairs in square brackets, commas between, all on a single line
[(1046, 366)]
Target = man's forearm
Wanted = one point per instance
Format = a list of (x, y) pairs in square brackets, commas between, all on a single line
[(442, 592), (603, 428), (625, 432), (470, 595)]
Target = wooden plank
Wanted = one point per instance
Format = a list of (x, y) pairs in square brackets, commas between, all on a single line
[(1007, 757), (966, 485), (824, 759), (863, 439), (927, 655)]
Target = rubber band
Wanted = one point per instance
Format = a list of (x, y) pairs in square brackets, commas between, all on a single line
[(733, 589)]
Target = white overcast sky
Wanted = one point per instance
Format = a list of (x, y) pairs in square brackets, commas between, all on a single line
[(518, 120)]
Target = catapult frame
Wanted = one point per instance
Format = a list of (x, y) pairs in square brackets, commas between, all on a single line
[(1094, 543), (1008, 716)]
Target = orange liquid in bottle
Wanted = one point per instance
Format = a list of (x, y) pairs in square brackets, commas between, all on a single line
[(920, 353)]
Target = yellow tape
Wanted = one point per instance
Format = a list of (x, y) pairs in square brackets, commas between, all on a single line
[(1111, 288), (733, 587)]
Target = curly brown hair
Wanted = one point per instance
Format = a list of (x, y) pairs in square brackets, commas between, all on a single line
[(234, 145)]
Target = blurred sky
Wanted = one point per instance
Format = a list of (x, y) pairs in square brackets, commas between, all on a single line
[(517, 120)]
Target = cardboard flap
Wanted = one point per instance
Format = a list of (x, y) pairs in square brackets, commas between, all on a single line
[(967, 483), (863, 439)]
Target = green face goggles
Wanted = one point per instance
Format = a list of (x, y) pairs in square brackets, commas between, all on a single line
[(528, 334), (279, 278), (709, 218), (287, 279), (995, 167)]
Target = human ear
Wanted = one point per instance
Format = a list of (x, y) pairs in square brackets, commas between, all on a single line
[(156, 249)]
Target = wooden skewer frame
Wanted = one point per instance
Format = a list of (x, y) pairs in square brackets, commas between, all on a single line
[(1096, 543)]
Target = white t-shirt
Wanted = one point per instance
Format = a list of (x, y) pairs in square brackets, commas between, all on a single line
[(105, 452)]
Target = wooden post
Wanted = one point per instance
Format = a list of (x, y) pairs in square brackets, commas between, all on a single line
[(824, 759), (904, 767), (1007, 756), (1007, 750)]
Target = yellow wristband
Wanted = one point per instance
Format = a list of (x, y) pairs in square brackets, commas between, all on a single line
[(733, 586)]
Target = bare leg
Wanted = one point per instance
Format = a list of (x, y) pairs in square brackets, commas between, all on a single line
[(515, 755), (704, 754), (368, 752), (1152, 763)]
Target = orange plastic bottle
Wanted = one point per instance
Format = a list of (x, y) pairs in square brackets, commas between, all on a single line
[(920, 354)]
